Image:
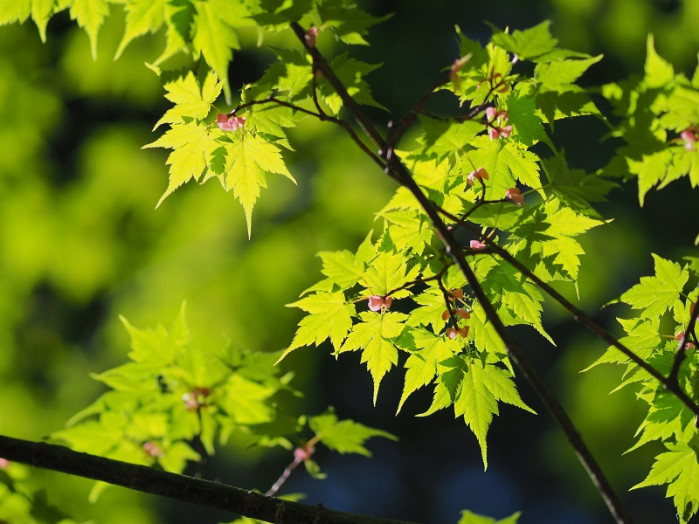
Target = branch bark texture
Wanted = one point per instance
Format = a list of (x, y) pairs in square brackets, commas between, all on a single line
[(181, 487)]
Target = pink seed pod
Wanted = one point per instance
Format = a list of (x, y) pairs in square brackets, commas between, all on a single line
[(476, 244), (311, 36), (515, 196), (478, 174), (689, 138)]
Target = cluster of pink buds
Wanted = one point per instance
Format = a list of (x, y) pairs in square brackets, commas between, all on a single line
[(496, 119), (196, 398), (515, 195), (479, 174), (229, 123), (152, 449), (689, 138), (376, 302), (476, 244), (310, 36)]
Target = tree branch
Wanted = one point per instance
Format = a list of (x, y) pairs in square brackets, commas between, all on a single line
[(396, 169), (181, 487)]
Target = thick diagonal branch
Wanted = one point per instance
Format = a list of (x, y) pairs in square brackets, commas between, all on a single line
[(188, 489), (396, 169)]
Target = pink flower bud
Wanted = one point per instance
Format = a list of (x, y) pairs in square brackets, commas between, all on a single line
[(505, 131), (490, 113), (689, 138), (679, 338), (4, 463), (478, 174), (376, 302), (152, 449), (303, 453), (515, 196), (452, 332), (493, 133), (476, 244), (310, 36), (226, 123)]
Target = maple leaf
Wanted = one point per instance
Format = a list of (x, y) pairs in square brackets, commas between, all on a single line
[(330, 317), (90, 15), (249, 160), (659, 293), (190, 101), (374, 337), (193, 144), (679, 469), (483, 385), (344, 436)]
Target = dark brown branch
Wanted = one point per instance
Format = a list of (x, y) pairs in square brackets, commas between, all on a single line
[(397, 170), (672, 378), (188, 489)]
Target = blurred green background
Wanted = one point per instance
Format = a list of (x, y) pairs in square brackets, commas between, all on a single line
[(81, 243)]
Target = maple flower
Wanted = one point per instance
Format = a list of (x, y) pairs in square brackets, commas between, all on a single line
[(310, 36), (689, 138), (452, 332), (478, 174), (303, 453), (152, 449), (229, 123), (497, 119), (376, 302), (515, 196), (4, 463), (680, 336), (476, 244)]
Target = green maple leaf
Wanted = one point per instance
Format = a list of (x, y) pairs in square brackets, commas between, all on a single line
[(143, 16), (193, 144), (658, 71), (374, 337), (505, 161), (344, 436), (529, 44), (214, 37), (559, 75), (250, 160), (90, 15), (329, 317), (679, 469), (482, 387), (388, 272), (421, 365), (342, 267), (657, 294), (190, 101), (468, 517), (574, 187)]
